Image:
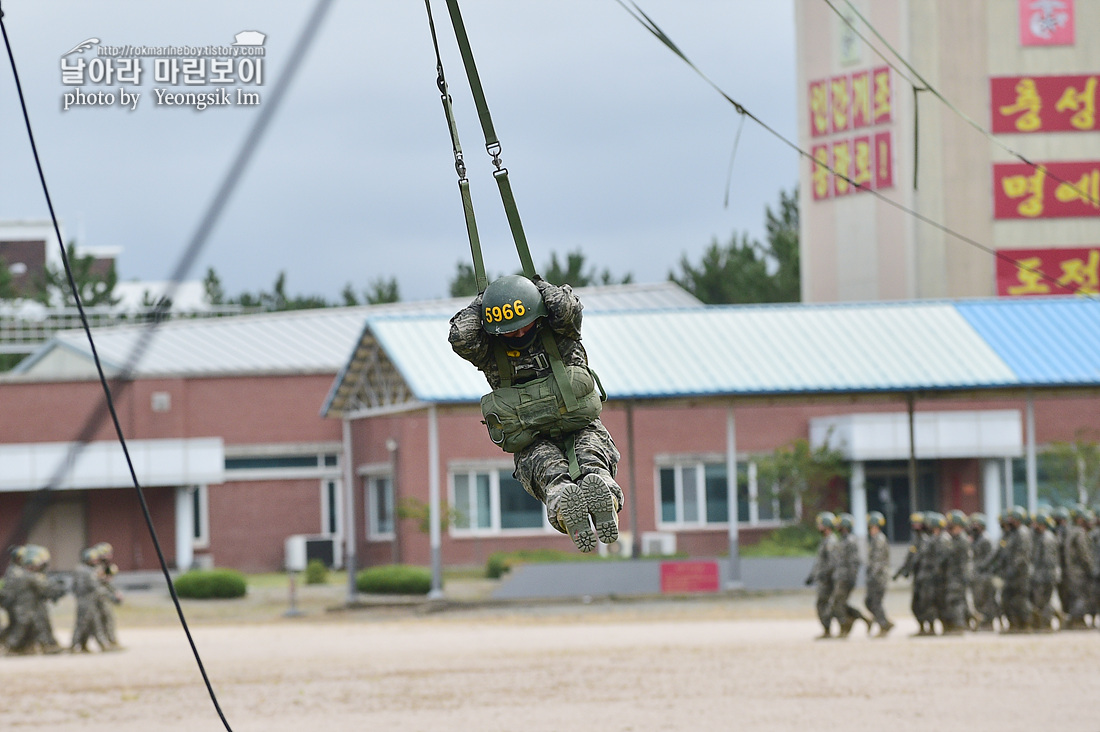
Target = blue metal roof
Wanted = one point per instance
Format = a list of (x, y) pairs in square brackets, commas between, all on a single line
[(1047, 341), (792, 349)]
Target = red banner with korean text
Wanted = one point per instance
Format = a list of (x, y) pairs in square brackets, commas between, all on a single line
[(867, 160), (1044, 103), (1046, 22), (1022, 272), (1049, 191), (851, 102)]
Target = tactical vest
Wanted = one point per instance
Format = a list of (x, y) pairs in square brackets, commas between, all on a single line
[(565, 400)]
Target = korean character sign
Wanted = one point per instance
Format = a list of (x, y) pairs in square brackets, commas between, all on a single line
[(1044, 272), (1047, 191), (1036, 104)]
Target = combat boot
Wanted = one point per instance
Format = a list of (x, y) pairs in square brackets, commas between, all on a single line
[(587, 510)]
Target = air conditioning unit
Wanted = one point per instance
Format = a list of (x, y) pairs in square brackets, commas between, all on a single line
[(658, 543), (622, 548), (300, 549)]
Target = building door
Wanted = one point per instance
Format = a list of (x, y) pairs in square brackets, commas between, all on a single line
[(61, 529), (888, 492)]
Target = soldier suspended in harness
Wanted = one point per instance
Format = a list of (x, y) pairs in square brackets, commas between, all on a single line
[(524, 336)]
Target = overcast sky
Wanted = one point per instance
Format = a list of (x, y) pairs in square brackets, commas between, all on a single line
[(614, 146)]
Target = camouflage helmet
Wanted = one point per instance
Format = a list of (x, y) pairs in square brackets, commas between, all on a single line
[(916, 518), (875, 518), (977, 519), (510, 303), (934, 520), (845, 521), (825, 520), (1060, 513), (1017, 513), (1042, 517), (103, 550), (955, 517), (36, 557), (89, 555)]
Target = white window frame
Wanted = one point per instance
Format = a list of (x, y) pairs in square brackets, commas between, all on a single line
[(370, 477), (493, 470), (678, 463)]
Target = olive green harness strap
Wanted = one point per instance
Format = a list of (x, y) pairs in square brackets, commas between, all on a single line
[(571, 454), (460, 164), (492, 144)]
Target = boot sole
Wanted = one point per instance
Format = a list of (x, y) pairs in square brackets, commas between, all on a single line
[(574, 514), (601, 505)]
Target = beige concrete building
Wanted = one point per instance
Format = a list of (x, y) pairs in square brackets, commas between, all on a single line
[(1026, 71)]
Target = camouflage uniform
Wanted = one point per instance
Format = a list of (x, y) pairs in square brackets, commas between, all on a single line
[(542, 468), (928, 582), (14, 582), (981, 581), (1046, 574), (956, 576), (1016, 593), (912, 560), (1079, 569), (89, 622), (30, 628), (822, 577), (878, 576), (845, 572)]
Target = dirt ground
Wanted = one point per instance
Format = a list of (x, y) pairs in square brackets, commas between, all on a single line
[(668, 664)]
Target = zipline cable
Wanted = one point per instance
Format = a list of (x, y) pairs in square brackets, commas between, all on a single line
[(198, 240), (639, 15)]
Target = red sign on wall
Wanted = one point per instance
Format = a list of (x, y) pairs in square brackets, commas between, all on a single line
[(851, 102), (1023, 272), (683, 577), (866, 160), (1046, 22), (1044, 103), (1049, 191)]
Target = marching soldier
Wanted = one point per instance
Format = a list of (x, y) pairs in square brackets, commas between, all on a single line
[(1016, 593), (981, 585), (956, 575), (1079, 569), (821, 574), (89, 622), (845, 572), (909, 567), (878, 571), (1046, 570), (928, 582)]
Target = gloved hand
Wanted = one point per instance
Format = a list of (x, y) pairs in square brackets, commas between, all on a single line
[(540, 283)]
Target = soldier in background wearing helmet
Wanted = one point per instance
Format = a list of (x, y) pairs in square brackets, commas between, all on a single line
[(1060, 514), (956, 575), (31, 627), (878, 571), (1046, 570), (1080, 566), (88, 623), (106, 595), (1017, 569), (14, 580), (501, 331), (1094, 536), (845, 572), (821, 574), (982, 587), (909, 567), (928, 581)]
